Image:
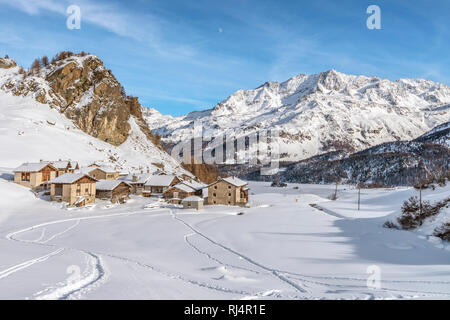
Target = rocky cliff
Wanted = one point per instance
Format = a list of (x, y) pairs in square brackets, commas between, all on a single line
[(84, 90)]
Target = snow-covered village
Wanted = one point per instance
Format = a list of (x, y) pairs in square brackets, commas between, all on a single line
[(151, 176)]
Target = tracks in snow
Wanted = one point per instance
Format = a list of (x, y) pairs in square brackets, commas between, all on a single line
[(29, 263), (274, 272), (78, 286)]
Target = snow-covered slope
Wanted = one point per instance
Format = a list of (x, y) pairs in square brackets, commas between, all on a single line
[(30, 131), (74, 108), (439, 135), (321, 112)]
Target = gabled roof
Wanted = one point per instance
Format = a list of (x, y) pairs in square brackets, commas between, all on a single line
[(109, 185), (104, 169), (183, 187), (33, 167), (235, 181), (143, 177), (61, 164), (192, 199), (160, 180), (231, 180), (194, 184), (69, 178)]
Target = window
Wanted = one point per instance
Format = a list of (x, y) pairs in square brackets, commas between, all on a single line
[(214, 201), (78, 189), (175, 194), (46, 176), (86, 190), (229, 202), (229, 187), (25, 176), (58, 190), (229, 194), (215, 187), (214, 195)]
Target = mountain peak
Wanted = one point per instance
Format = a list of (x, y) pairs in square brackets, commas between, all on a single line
[(324, 112)]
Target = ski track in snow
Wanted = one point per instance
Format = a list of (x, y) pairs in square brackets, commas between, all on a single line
[(274, 272), (68, 289), (29, 263), (72, 289), (290, 277), (97, 273)]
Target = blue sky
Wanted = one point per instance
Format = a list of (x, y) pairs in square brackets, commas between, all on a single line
[(180, 56)]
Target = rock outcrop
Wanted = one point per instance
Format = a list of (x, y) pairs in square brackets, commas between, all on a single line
[(80, 86)]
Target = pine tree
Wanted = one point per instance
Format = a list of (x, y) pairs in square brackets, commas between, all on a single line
[(45, 61), (36, 66)]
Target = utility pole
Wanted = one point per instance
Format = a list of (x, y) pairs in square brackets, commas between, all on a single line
[(420, 192), (359, 196)]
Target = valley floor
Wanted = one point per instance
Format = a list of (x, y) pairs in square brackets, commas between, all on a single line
[(280, 248)]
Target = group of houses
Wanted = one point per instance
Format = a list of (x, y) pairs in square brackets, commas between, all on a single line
[(67, 182)]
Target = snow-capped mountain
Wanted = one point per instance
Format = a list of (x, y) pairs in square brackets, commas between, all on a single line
[(319, 113), (74, 108)]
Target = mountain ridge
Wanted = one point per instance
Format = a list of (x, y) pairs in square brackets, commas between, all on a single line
[(319, 113)]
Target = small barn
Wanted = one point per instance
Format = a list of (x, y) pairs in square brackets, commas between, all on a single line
[(178, 192), (114, 190), (34, 175), (192, 202), (77, 189), (157, 184), (103, 173)]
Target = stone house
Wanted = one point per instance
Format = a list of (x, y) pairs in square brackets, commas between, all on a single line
[(64, 166), (157, 184), (114, 190), (192, 202), (228, 191), (103, 173), (178, 192), (77, 189), (34, 175), (182, 190)]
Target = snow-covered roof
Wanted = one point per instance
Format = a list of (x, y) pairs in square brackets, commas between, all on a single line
[(31, 167), (142, 178), (194, 184), (184, 187), (160, 180), (60, 164), (192, 199), (234, 181), (69, 178), (109, 185), (104, 169)]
